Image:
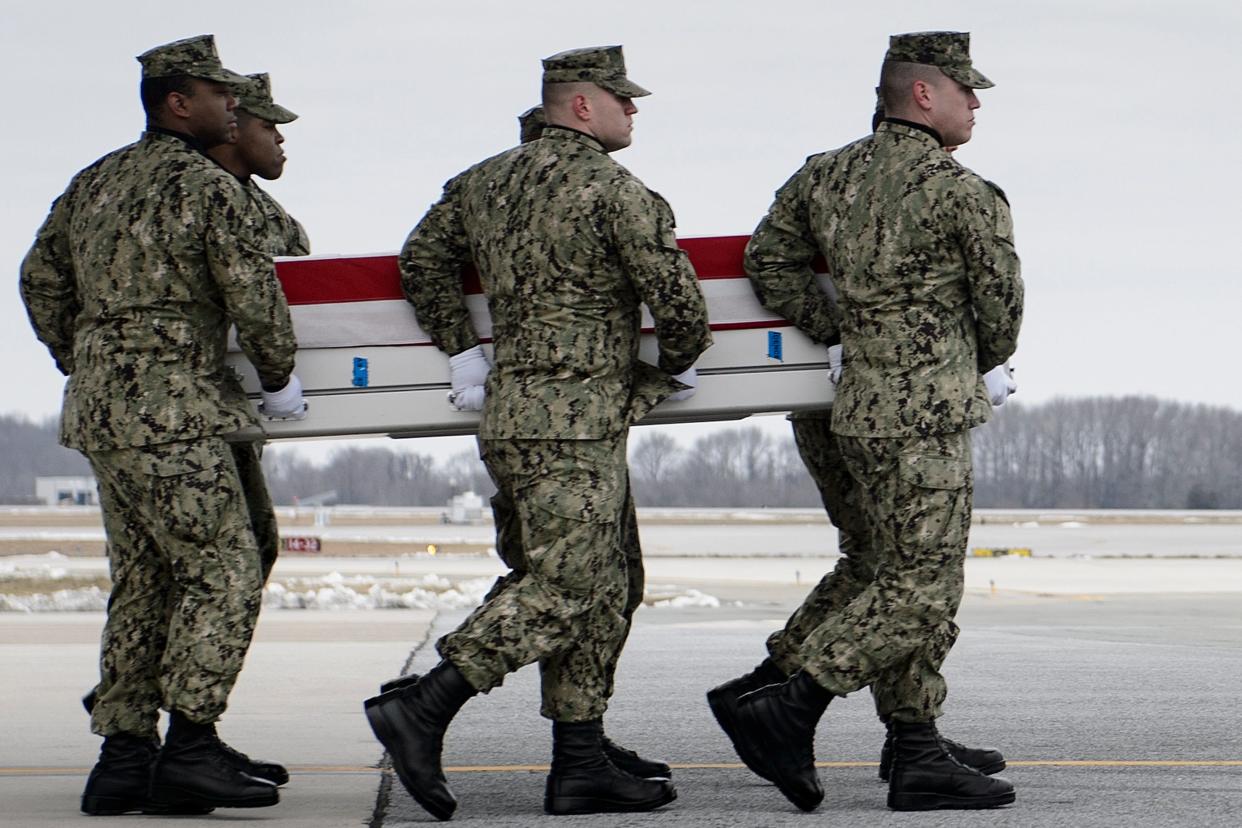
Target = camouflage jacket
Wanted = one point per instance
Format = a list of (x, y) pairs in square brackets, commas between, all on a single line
[(922, 256), (132, 283), (286, 234), (568, 244)]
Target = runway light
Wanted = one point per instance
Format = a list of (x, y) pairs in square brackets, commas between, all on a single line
[(431, 549)]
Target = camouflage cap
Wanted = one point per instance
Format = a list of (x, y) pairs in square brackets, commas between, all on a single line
[(603, 66), (193, 56), (255, 97), (531, 124), (947, 51)]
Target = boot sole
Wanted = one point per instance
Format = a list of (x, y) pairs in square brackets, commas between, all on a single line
[(387, 736), (116, 806), (570, 805), (165, 796), (937, 802), (728, 724)]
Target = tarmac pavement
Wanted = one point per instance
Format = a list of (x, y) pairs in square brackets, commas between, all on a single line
[(1113, 710)]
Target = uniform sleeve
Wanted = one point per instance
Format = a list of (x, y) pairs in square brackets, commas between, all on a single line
[(431, 264), (299, 242), (778, 261), (49, 288), (994, 274), (643, 232), (239, 262)]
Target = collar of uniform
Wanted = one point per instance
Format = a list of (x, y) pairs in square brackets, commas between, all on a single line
[(190, 141), (911, 125), (564, 133)]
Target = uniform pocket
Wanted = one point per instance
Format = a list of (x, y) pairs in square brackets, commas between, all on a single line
[(935, 472), (191, 490)]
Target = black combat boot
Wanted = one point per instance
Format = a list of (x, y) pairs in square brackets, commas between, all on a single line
[(193, 766), (925, 776), (269, 771), (985, 760), (723, 702), (408, 680), (776, 725), (410, 722), (584, 781), (624, 758), (272, 772), (120, 782)]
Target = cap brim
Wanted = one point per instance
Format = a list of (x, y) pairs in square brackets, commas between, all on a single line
[(273, 112), (969, 77), (624, 87), (221, 75)]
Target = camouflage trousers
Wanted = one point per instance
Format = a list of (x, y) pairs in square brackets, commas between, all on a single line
[(891, 631), (566, 529), (841, 495), (248, 457), (186, 582)]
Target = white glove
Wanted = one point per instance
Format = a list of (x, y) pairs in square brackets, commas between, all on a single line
[(1000, 384), (834, 364), (467, 373), (285, 404), (687, 377)]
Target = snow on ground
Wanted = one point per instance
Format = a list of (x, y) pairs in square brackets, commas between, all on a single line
[(332, 591)]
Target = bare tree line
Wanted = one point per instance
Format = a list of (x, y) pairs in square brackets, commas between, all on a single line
[(1110, 453), (1096, 452)]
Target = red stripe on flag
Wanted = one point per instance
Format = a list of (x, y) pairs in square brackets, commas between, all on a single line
[(372, 278)]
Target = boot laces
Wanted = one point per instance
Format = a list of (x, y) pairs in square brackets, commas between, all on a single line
[(231, 752), (612, 747)]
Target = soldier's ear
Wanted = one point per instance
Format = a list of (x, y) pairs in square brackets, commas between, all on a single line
[(580, 105), (922, 92), (177, 104)]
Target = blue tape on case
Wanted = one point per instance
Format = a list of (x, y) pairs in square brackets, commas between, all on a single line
[(775, 350), (361, 379)]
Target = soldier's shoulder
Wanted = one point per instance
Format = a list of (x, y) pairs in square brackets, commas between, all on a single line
[(105, 166), (627, 191), (996, 188), (982, 187), (822, 164), (489, 169), (950, 174), (832, 156), (259, 194)]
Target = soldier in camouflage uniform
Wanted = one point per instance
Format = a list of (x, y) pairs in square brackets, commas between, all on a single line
[(133, 281), (568, 245), (256, 151), (930, 297), (510, 550), (796, 296)]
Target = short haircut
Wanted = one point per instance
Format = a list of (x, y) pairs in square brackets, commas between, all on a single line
[(154, 91), (896, 77), (556, 95)]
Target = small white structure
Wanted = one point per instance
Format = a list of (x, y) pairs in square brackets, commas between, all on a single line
[(466, 507), (67, 491)]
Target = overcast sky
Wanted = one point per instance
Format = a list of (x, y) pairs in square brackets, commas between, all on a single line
[(1114, 128)]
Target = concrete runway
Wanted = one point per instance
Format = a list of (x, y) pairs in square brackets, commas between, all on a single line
[(1113, 710)]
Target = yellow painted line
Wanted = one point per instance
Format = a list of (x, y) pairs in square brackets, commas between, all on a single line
[(312, 770), (1128, 763)]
